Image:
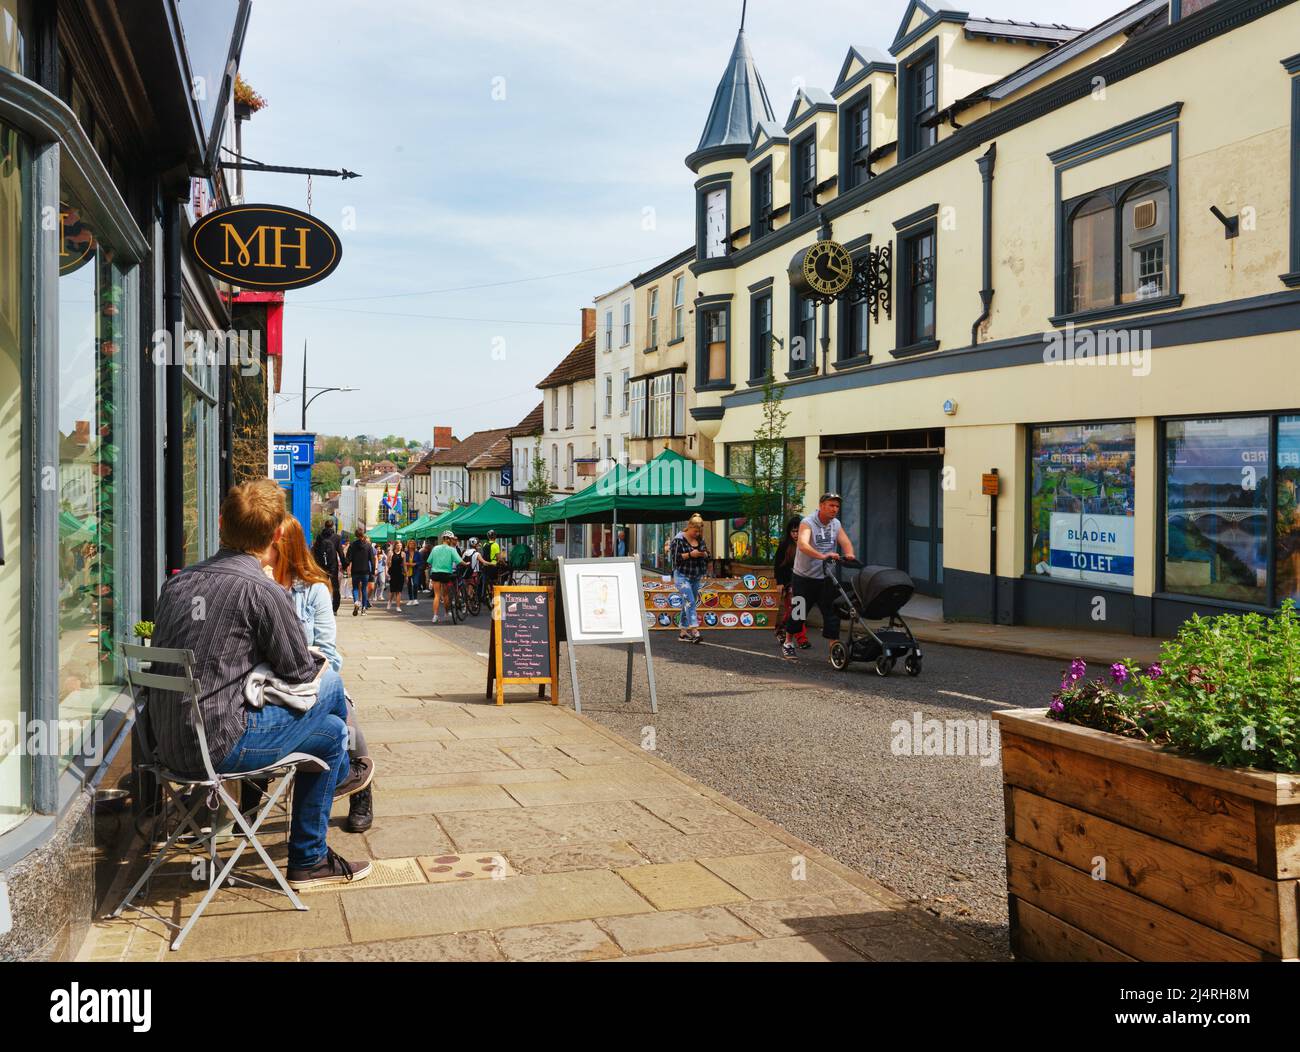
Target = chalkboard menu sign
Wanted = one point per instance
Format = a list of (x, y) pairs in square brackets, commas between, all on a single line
[(522, 649)]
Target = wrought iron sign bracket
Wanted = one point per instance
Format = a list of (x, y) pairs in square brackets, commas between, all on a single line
[(872, 281)]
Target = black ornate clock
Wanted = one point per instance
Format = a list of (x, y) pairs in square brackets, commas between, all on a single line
[(821, 271)]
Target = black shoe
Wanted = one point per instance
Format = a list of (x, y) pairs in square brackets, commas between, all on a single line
[(252, 795), (360, 775), (360, 811), (332, 869)]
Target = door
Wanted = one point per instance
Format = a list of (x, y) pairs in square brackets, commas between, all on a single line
[(923, 523)]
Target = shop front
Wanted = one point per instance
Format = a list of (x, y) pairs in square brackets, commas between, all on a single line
[(95, 372)]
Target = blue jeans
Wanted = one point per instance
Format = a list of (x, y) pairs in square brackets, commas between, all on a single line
[(689, 588), (359, 590), (274, 732)]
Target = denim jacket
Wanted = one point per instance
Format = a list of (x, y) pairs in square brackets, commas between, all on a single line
[(315, 609)]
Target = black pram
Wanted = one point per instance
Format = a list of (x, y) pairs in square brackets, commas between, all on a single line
[(876, 593)]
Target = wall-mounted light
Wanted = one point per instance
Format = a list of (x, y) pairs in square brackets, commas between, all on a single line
[(949, 407), (1231, 224)]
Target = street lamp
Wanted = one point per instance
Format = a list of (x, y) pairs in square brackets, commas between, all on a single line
[(319, 391)]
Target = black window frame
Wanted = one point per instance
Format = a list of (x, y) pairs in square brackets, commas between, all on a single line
[(1292, 67), (855, 156), (910, 126), (703, 308), (797, 326), (907, 341), (803, 186), (760, 351), (761, 201), (1116, 195), (845, 309)]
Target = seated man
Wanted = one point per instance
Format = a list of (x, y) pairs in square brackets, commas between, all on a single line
[(234, 617)]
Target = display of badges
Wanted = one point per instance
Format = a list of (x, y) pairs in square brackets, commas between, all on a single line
[(724, 601), (746, 620), (751, 581), (769, 600), (755, 599), (711, 620), (729, 620), (763, 582), (650, 619), (665, 620), (761, 620), (661, 601), (740, 600), (675, 601)]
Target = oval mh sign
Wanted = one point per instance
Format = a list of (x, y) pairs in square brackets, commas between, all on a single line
[(265, 246)]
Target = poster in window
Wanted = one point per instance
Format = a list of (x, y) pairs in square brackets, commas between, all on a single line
[(599, 604)]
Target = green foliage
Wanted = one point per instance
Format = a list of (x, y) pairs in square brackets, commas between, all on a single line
[(325, 477), (777, 491), (143, 629), (1226, 689), (539, 494)]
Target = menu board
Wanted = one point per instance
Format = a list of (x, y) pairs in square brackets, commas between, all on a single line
[(523, 643)]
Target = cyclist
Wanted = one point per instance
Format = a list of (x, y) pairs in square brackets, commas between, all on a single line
[(443, 560)]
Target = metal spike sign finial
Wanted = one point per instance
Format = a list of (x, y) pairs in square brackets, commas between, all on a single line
[(744, 4)]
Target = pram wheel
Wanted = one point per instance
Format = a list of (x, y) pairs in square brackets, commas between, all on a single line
[(884, 665), (839, 656), (913, 665)]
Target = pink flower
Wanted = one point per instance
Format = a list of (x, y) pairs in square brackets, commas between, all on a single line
[(1119, 673), (1057, 705)]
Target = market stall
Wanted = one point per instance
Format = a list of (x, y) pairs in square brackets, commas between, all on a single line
[(725, 602)]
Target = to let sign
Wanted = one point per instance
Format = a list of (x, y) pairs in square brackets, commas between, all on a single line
[(265, 247)]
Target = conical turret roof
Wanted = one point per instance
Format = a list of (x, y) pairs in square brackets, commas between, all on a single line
[(739, 103)]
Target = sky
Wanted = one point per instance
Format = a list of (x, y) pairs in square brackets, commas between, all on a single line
[(518, 159)]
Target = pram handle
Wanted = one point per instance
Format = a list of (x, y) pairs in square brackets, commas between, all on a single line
[(848, 564)]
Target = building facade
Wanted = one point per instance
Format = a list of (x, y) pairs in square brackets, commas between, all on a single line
[(1069, 276), (525, 445), (616, 338), (569, 428), (111, 375)]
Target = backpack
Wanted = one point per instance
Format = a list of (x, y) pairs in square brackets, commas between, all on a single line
[(326, 555)]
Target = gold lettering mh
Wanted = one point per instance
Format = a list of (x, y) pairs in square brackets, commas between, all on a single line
[(252, 251)]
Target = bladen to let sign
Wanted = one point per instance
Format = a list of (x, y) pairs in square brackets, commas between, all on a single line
[(265, 247)]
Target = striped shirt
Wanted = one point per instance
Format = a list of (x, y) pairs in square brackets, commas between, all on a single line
[(233, 617)]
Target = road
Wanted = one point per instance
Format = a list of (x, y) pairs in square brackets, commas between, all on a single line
[(819, 753)]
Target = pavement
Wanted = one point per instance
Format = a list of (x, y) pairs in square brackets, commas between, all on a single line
[(527, 832), (1099, 648)]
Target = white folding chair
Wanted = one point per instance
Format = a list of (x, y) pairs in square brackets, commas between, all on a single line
[(184, 795)]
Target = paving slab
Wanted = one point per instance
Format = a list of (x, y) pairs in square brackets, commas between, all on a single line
[(574, 941), (460, 946), (775, 875), (404, 836), (679, 847), (795, 949), (435, 801), (679, 885), (566, 858), (813, 913), (677, 930), (434, 909), (695, 815), (541, 827)]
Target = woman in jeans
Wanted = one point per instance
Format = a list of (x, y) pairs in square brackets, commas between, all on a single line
[(690, 557), (295, 568)]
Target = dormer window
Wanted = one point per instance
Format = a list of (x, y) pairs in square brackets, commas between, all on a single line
[(920, 97), (803, 187), (857, 145)]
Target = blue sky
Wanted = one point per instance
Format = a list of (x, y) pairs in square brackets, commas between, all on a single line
[(518, 159)]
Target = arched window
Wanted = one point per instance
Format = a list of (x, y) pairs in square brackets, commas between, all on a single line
[(1119, 248)]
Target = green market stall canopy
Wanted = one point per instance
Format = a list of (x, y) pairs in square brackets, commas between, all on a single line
[(492, 515), (668, 488)]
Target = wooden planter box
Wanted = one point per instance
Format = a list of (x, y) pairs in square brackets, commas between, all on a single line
[(1201, 862)]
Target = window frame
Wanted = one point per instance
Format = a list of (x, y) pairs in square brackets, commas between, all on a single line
[(609, 329), (910, 117), (652, 318), (627, 323), (760, 357), (844, 322), (797, 325), (626, 392), (853, 157), (761, 201), (609, 395), (905, 340), (679, 307), (703, 380), (1116, 195), (803, 187), (638, 391)]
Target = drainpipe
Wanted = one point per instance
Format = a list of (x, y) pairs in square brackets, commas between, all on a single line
[(174, 454), (985, 164)]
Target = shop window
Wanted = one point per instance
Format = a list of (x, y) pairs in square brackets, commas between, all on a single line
[(778, 467), (14, 28), (1119, 248), (91, 614), (760, 337), (15, 488), (1288, 509), (1081, 498), (1217, 480)]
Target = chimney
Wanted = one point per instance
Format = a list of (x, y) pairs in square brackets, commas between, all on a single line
[(588, 322), (442, 438)]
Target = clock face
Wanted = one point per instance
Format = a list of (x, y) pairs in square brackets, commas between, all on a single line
[(828, 268), (715, 224)]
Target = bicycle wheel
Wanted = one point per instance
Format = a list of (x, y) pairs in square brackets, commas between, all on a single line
[(472, 603)]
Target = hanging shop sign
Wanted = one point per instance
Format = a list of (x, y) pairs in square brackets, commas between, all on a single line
[(265, 247)]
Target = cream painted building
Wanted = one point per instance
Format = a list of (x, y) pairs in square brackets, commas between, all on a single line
[(1042, 290), (617, 340)]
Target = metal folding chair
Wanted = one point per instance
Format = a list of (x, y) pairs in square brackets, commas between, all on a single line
[(184, 795)]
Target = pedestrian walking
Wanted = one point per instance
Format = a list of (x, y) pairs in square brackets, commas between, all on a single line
[(783, 572), (297, 571), (690, 562), (442, 563), (821, 540), (326, 552), (396, 577), (360, 560), (420, 562), (381, 572)]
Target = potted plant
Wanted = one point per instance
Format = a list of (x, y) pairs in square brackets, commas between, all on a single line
[(1154, 813), (144, 630)]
